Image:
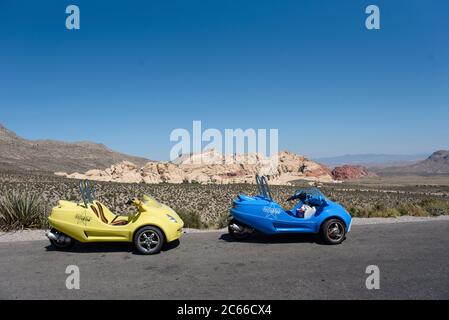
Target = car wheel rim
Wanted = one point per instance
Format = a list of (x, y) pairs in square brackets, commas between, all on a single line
[(335, 231), (149, 240)]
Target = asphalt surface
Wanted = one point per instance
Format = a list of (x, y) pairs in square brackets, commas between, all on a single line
[(413, 259)]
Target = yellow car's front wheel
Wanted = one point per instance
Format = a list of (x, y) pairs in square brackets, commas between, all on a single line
[(149, 240)]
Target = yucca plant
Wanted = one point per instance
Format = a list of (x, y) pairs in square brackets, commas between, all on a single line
[(20, 210)]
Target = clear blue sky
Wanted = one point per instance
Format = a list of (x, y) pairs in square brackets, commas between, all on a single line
[(138, 69)]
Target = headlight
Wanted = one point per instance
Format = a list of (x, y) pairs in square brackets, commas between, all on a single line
[(171, 218)]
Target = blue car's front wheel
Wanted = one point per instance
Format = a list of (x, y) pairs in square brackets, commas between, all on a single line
[(333, 231)]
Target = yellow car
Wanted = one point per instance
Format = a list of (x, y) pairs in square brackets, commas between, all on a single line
[(149, 228)]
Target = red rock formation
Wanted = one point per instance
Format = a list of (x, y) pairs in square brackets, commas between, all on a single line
[(350, 172)]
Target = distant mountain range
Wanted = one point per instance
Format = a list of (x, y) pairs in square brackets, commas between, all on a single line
[(436, 164), (18, 154), (372, 160)]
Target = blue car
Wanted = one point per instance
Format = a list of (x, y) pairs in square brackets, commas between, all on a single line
[(312, 213)]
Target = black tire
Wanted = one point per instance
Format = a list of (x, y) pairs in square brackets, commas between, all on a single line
[(61, 245), (235, 234), (149, 240), (333, 231)]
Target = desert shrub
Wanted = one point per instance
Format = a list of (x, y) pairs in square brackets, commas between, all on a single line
[(359, 212), (222, 220), (380, 207), (435, 207), (20, 210), (412, 210), (386, 213), (192, 219), (377, 210)]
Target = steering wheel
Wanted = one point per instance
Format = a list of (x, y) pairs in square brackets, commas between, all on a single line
[(300, 195), (134, 201)]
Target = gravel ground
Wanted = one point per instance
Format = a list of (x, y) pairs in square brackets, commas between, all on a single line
[(37, 235)]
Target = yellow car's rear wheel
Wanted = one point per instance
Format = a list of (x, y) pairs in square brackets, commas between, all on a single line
[(149, 240), (62, 241)]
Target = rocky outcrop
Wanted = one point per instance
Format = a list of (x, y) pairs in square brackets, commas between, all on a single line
[(351, 172), (211, 167)]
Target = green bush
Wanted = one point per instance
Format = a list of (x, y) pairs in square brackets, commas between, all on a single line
[(222, 220), (20, 210), (412, 210), (435, 207), (387, 213), (359, 212), (192, 219), (425, 208)]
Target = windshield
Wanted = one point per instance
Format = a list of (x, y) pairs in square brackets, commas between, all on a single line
[(150, 201), (311, 196), (311, 192)]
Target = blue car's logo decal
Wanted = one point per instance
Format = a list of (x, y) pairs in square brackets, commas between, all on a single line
[(271, 211)]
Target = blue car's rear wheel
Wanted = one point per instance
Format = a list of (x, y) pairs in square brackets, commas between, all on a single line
[(238, 231), (333, 231)]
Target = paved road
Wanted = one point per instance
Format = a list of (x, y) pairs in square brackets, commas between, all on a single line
[(413, 259)]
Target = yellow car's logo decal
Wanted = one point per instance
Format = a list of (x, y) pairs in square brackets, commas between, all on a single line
[(82, 218)]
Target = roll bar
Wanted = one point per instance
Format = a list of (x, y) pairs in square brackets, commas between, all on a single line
[(87, 193), (263, 188)]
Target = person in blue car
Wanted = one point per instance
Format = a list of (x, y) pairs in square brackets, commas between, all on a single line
[(309, 205)]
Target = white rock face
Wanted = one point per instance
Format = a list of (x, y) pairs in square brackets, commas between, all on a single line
[(211, 167)]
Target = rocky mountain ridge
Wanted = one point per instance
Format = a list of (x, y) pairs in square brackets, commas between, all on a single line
[(211, 167), (436, 164), (18, 154)]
